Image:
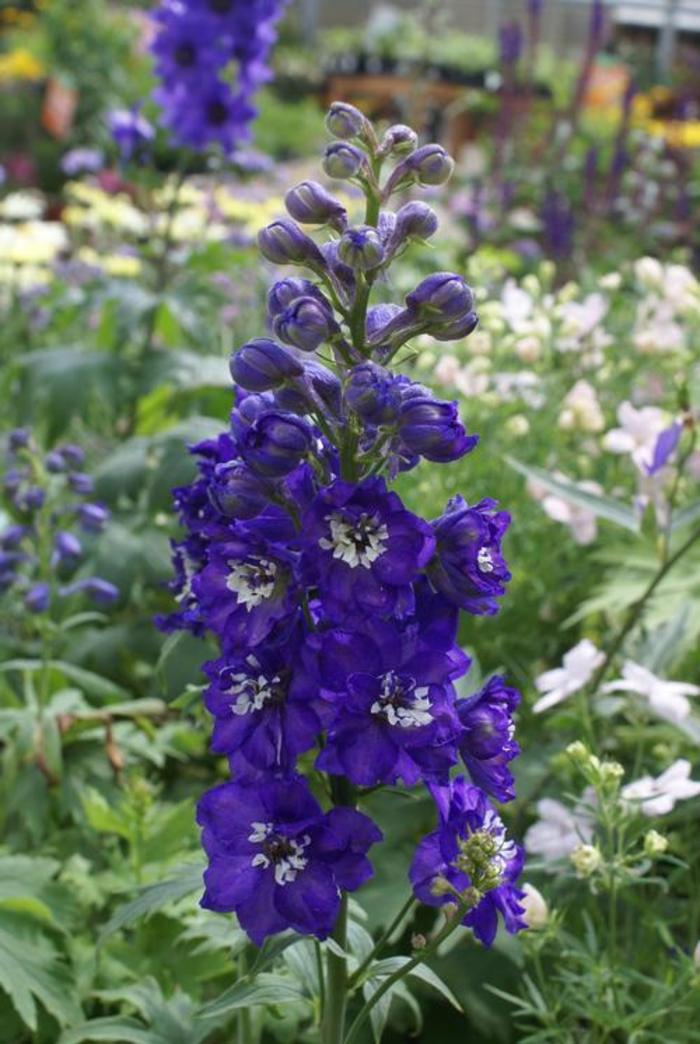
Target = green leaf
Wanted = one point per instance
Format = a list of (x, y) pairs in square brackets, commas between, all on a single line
[(603, 507), (103, 818), (27, 886), (174, 827), (187, 880), (381, 969), (264, 989), (685, 517), (87, 680), (116, 1028), (30, 971)]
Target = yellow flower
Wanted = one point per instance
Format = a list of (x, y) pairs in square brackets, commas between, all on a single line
[(20, 64)]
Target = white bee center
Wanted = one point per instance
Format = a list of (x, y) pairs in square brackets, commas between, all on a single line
[(484, 560), (252, 582), (286, 854), (400, 703), (358, 543)]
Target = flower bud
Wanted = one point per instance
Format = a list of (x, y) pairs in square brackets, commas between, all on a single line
[(398, 140), (306, 324), (67, 548), (55, 462), (101, 591), (276, 443), (236, 492), (345, 121), (343, 161), (262, 365), (18, 438), (428, 165), (281, 294), (536, 911), (12, 536), (441, 298), (37, 598), (415, 220), (655, 844), (93, 517), (80, 482), (309, 203), (432, 429), (586, 860), (284, 243), (457, 330), (318, 388), (361, 248), (32, 499), (372, 393), (75, 455)]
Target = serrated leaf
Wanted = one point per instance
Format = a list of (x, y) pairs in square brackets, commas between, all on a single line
[(602, 506), (264, 989), (31, 973), (155, 897)]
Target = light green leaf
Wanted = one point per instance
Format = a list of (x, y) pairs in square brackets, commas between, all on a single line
[(87, 680), (174, 826), (115, 1028), (603, 507), (102, 817), (381, 969), (30, 971), (685, 517), (187, 880), (264, 989)]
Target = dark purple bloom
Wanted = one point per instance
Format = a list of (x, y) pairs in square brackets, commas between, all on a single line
[(284, 243), (487, 744), (277, 860), (266, 712), (12, 536), (470, 856), (393, 703), (665, 448), (18, 438), (510, 40), (431, 428), (37, 598), (31, 499), (373, 393), (93, 517), (248, 585), (343, 161), (468, 567), (360, 248), (362, 548), (132, 133), (262, 365), (309, 203), (235, 491), (276, 443), (559, 225), (306, 324)]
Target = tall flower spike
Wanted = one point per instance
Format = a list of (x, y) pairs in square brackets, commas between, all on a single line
[(335, 607)]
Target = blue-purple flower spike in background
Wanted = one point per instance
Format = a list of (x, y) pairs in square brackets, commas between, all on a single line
[(335, 607), (211, 56)]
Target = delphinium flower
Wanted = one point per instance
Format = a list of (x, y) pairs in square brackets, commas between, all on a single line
[(211, 58), (48, 499), (335, 607)]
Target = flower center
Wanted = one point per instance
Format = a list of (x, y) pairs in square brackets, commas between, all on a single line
[(217, 113), (484, 560), (185, 54), (484, 854), (357, 542), (251, 689), (252, 582), (401, 703), (285, 854), (221, 6)]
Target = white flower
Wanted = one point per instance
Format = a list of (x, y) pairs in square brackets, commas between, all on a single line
[(611, 281), (657, 797), (579, 319), (637, 434), (668, 699), (649, 272), (576, 671), (559, 830), (582, 522), (447, 370), (516, 305), (581, 410)]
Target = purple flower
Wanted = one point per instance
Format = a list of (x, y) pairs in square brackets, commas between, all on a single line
[(262, 365), (277, 860), (276, 443), (93, 517), (265, 711), (470, 856), (283, 293), (432, 429), (510, 40), (393, 703), (414, 220), (248, 586), (82, 161), (362, 548), (132, 133), (235, 491), (468, 567), (81, 483), (665, 447), (284, 243), (310, 204), (441, 298), (373, 393), (360, 248), (487, 743), (37, 598), (67, 549)]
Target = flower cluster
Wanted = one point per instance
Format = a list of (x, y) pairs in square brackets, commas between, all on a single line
[(335, 607), (47, 497), (211, 57)]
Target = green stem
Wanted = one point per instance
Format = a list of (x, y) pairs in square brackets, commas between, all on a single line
[(333, 1027), (382, 941), (407, 968), (244, 1026)]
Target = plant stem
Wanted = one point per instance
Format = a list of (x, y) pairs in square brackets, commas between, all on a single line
[(635, 611), (382, 941), (244, 1026), (333, 1028), (407, 968)]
